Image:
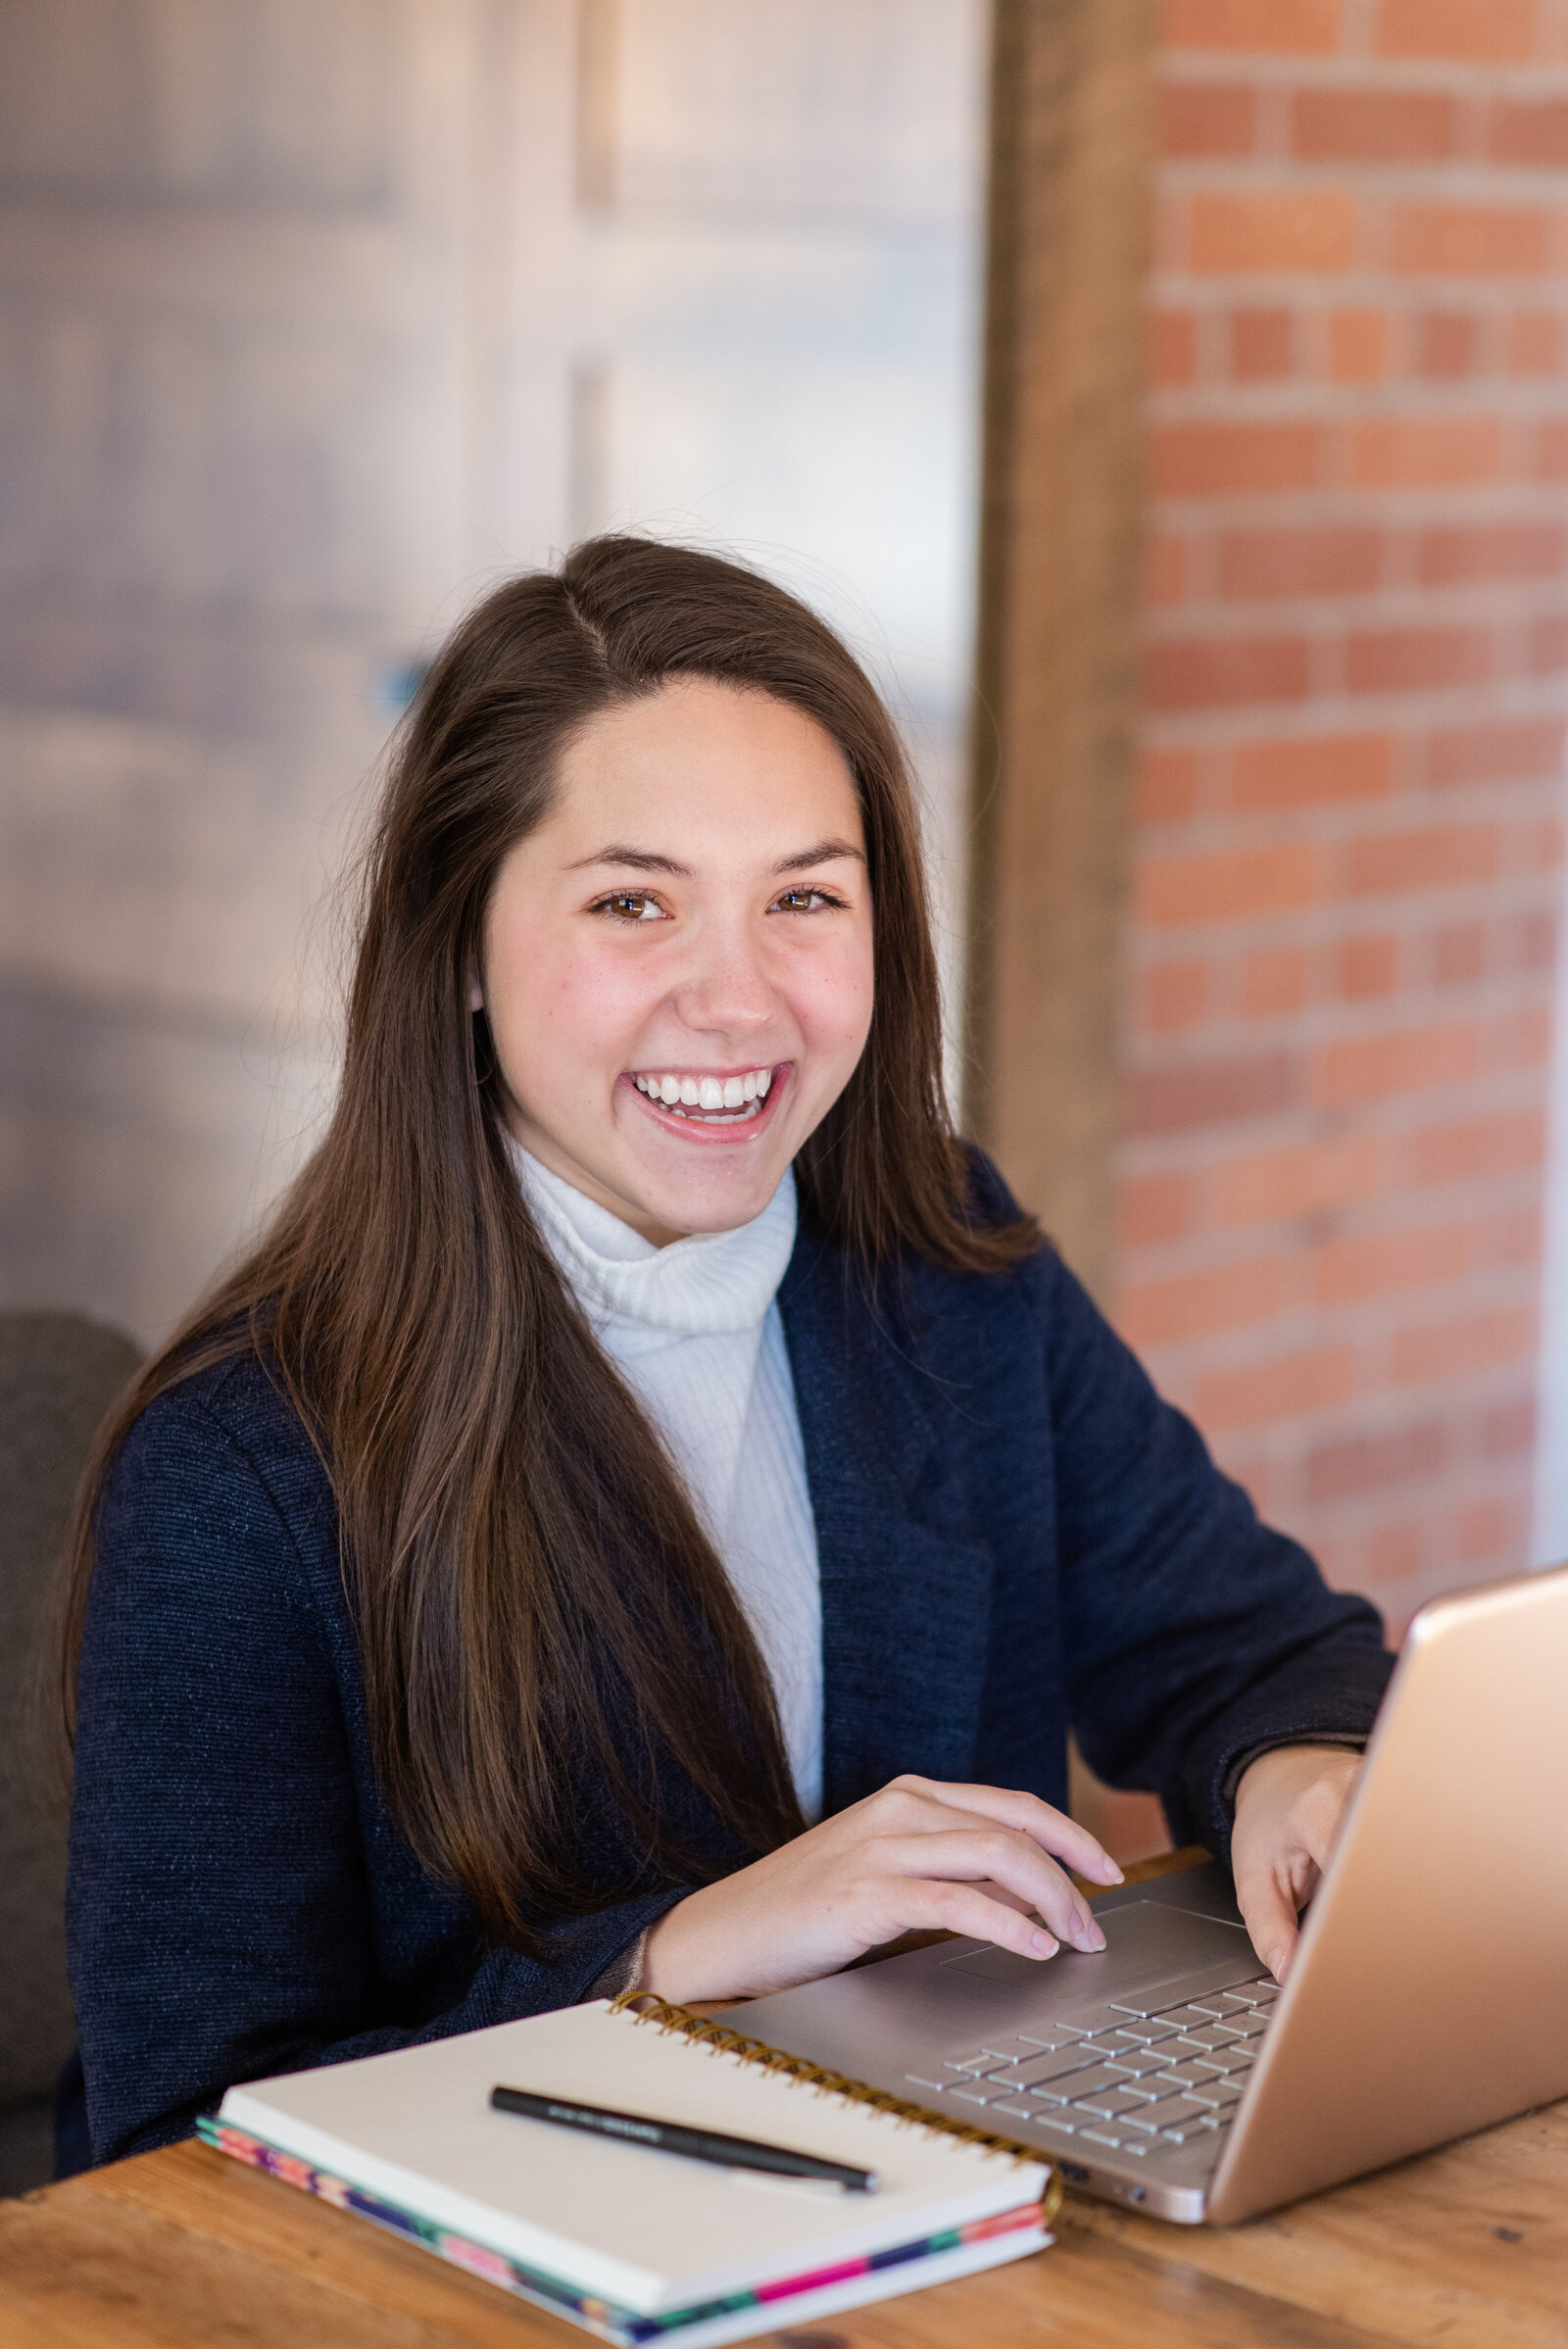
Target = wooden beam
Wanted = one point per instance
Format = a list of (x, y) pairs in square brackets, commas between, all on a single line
[(1055, 731)]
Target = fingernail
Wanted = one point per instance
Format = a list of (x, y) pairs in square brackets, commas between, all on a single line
[(1117, 1876), (1276, 1963), (1094, 1937), (1043, 1945)]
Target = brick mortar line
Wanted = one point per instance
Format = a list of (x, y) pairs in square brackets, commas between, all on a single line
[(1413, 711), (1493, 1277), (1463, 1469), (1407, 502), (1197, 1156), (1366, 1338), (1414, 913), (1533, 885), (1364, 269), (1400, 1117), (1310, 1322), (1435, 804), (1329, 840), (1174, 1268), (1453, 181), (1328, 847), (1303, 397), (1327, 1020), (1528, 827), (1370, 1219), (1359, 1025), (1207, 1255), (1364, 1328), (1162, 1270), (1469, 1099), (1325, 684), (1328, 818), (1400, 607), (1292, 399), (1386, 1416), (1334, 823), (1473, 1455), (1326, 1016), (1316, 298), (1396, 610), (1289, 70), (1186, 1389), (1518, 1185)]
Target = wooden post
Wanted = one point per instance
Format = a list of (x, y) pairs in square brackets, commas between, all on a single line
[(1056, 668)]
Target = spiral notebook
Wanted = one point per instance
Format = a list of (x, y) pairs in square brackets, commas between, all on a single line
[(633, 2244)]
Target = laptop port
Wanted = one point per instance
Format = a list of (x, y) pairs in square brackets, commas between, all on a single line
[(1075, 2173)]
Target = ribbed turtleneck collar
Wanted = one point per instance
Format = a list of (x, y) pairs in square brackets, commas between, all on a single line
[(711, 1282)]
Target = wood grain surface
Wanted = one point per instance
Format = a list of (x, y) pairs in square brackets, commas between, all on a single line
[(1057, 651), (1466, 2247)]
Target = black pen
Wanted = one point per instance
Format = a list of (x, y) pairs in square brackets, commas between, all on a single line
[(670, 2136)]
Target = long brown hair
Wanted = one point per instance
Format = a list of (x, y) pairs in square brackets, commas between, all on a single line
[(521, 1563)]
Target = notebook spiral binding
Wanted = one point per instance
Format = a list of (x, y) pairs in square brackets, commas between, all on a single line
[(646, 2006)]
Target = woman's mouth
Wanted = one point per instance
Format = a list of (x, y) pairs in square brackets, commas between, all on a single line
[(706, 1099)]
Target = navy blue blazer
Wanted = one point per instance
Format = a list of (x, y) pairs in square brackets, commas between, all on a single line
[(1016, 1537)]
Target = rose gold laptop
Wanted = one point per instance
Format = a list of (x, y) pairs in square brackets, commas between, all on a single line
[(1428, 1995)]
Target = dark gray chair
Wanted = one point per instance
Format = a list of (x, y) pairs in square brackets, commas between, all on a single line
[(58, 1377)]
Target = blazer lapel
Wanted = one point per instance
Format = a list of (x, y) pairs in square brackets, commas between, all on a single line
[(905, 1607)]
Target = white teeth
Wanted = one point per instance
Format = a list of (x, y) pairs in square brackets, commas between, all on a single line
[(709, 1094)]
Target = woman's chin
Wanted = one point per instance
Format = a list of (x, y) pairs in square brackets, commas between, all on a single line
[(718, 1193), (707, 1207)]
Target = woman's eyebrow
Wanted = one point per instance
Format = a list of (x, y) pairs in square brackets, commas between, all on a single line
[(823, 853), (642, 861), (649, 861)]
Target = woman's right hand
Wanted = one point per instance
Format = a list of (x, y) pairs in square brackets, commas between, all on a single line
[(918, 1856)]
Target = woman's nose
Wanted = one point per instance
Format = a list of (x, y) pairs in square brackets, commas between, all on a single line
[(726, 989)]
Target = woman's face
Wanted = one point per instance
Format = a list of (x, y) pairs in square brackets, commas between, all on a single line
[(678, 961)]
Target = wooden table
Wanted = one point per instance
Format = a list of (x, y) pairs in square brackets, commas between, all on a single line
[(185, 2249)]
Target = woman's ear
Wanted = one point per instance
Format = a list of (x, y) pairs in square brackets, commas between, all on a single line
[(475, 992)]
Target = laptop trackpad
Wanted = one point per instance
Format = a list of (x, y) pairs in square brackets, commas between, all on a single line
[(1146, 1942)]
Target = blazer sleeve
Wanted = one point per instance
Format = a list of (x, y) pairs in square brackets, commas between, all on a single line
[(220, 1910), (1196, 1636)]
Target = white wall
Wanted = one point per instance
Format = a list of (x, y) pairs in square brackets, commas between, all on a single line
[(313, 321)]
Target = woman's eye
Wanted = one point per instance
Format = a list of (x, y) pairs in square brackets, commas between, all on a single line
[(631, 904), (804, 901)]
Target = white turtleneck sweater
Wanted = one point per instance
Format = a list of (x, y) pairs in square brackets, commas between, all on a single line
[(695, 1330)]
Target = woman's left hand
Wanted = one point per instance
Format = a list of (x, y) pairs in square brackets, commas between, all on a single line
[(1289, 1806)]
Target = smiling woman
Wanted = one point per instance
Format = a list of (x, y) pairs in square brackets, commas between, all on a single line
[(649, 1508), (677, 1010)]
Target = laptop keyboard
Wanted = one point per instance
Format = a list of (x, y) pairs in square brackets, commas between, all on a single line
[(1148, 2079)]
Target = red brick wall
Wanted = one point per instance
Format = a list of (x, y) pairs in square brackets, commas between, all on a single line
[(1347, 863)]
